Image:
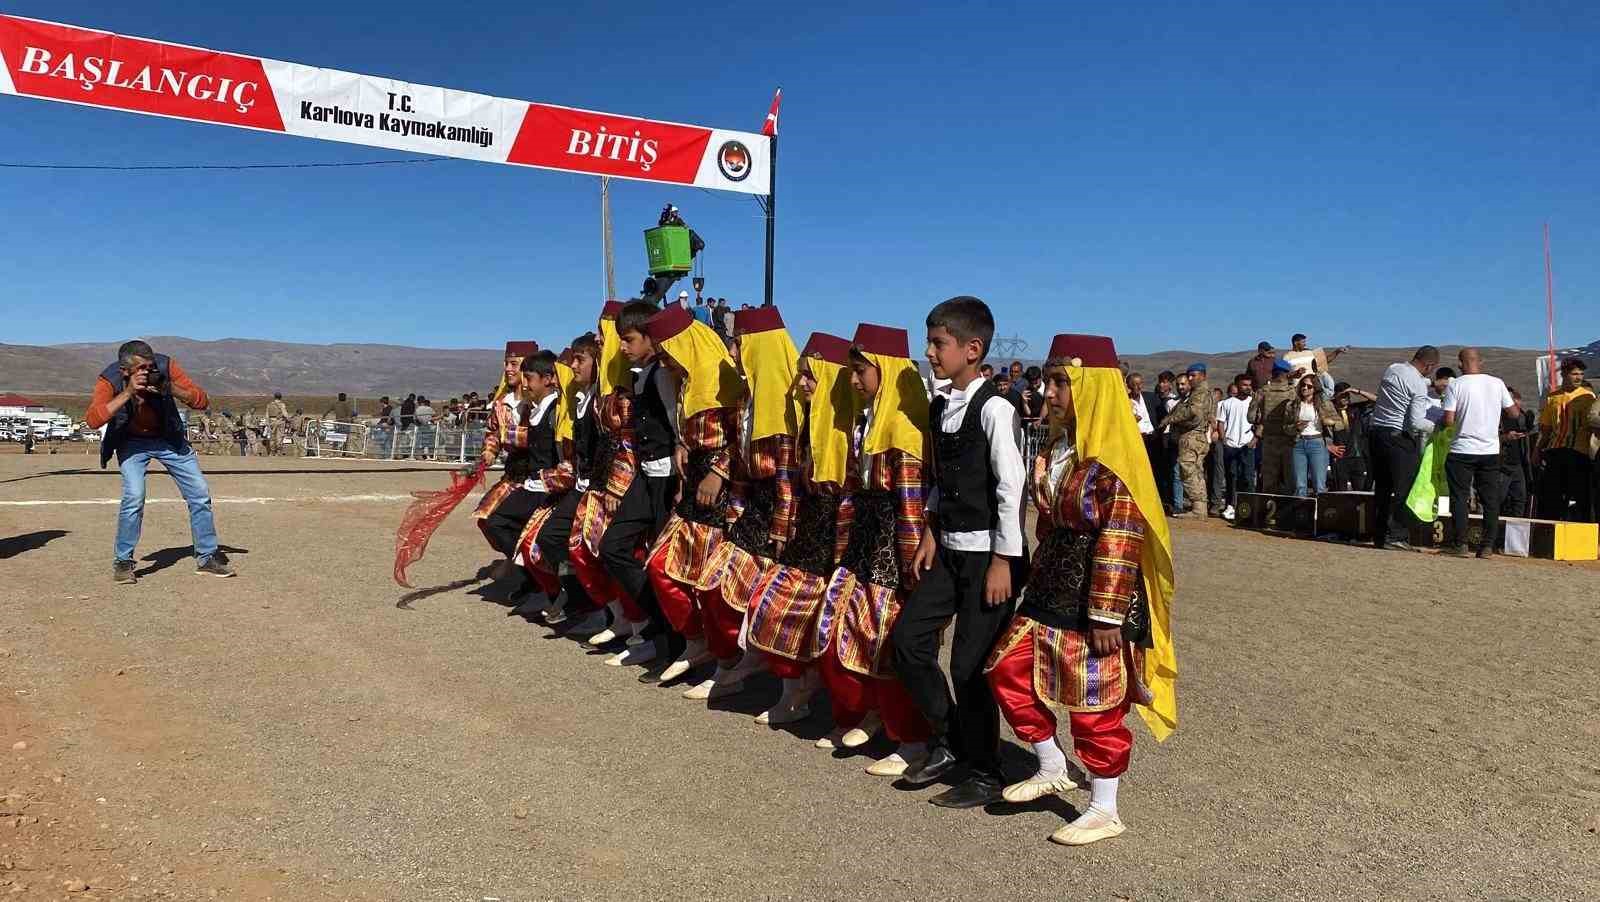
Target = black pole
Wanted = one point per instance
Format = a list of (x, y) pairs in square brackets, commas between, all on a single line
[(772, 209)]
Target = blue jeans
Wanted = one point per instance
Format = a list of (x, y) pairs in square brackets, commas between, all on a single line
[(133, 459), (1310, 459), (1240, 466), (1177, 484)]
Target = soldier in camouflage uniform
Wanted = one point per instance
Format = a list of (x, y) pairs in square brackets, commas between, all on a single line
[(225, 433), (1277, 448), (1192, 421), (277, 423), (207, 433)]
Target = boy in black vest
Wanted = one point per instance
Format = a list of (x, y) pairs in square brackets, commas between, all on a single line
[(530, 452), (647, 502), (964, 565)]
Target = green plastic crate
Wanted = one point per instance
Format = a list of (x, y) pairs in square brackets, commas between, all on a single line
[(667, 248)]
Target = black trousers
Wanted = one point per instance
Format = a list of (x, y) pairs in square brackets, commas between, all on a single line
[(557, 530), (1349, 475), (1515, 492), (1155, 447), (1395, 457), (505, 525), (1462, 472), (640, 515), (969, 723), (1565, 487)]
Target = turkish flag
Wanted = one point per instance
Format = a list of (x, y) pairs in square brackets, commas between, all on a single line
[(770, 128)]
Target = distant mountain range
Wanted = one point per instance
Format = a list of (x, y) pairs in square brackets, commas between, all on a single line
[(246, 367)]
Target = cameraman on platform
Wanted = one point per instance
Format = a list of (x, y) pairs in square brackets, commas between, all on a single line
[(135, 399)]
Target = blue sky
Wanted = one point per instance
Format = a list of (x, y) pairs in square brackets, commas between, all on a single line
[(1176, 175)]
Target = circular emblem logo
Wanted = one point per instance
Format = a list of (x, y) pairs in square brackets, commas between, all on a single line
[(734, 161)]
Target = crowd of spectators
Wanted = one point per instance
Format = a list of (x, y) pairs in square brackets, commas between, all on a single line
[(1285, 426)]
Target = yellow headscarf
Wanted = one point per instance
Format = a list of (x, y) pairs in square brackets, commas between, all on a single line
[(566, 401), (835, 407), (900, 411), (711, 380), (769, 359), (611, 370), (1106, 431)]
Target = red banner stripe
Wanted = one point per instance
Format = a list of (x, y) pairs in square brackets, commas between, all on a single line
[(95, 67), (564, 138)]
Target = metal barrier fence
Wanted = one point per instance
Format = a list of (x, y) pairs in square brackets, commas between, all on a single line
[(446, 441)]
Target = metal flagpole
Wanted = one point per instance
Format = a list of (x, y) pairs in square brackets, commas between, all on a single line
[(605, 237), (772, 208)]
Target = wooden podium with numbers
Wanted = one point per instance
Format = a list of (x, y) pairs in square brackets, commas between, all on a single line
[(1276, 513)]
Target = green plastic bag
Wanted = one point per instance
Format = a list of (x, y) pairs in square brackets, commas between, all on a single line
[(1423, 498)]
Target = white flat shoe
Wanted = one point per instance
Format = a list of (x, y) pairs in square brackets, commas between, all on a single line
[(891, 766), (782, 714), (638, 654), (1090, 827), (607, 635), (1038, 786), (692, 657), (861, 735), (832, 740), (699, 691)]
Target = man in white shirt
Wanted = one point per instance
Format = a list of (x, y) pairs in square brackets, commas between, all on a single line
[(1473, 404), (967, 564), (1238, 443), (1399, 424)]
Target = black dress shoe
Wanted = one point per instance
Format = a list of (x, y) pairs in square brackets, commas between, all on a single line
[(977, 791), (939, 762)]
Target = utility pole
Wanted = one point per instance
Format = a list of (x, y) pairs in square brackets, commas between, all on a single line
[(605, 237)]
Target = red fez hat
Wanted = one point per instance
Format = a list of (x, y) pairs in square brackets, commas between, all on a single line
[(521, 348), (757, 319), (669, 322), (1093, 350), (831, 348), (565, 357), (885, 340), (611, 309)]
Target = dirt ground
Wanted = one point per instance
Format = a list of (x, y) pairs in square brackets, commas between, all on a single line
[(1355, 725)]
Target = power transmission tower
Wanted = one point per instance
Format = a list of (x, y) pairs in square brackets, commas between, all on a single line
[(1010, 348), (605, 237)]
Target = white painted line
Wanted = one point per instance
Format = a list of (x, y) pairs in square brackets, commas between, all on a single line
[(319, 499)]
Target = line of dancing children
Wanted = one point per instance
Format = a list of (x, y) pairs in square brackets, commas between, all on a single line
[(808, 513)]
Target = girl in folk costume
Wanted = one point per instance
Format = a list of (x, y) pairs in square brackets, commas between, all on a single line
[(542, 548), (614, 467), (764, 488), (1093, 633), (708, 410), (788, 597), (875, 571), (507, 414)]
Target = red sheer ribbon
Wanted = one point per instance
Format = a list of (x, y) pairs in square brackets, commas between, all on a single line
[(424, 515)]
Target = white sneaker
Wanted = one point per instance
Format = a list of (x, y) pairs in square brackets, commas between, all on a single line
[(699, 691), (1038, 786), (833, 739), (637, 654), (861, 735), (1090, 827), (1228, 513)]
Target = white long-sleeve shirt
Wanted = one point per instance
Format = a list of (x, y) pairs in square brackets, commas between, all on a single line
[(999, 421)]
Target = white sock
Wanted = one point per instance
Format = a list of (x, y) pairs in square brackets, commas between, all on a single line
[(1103, 794), (911, 751), (1052, 761)]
